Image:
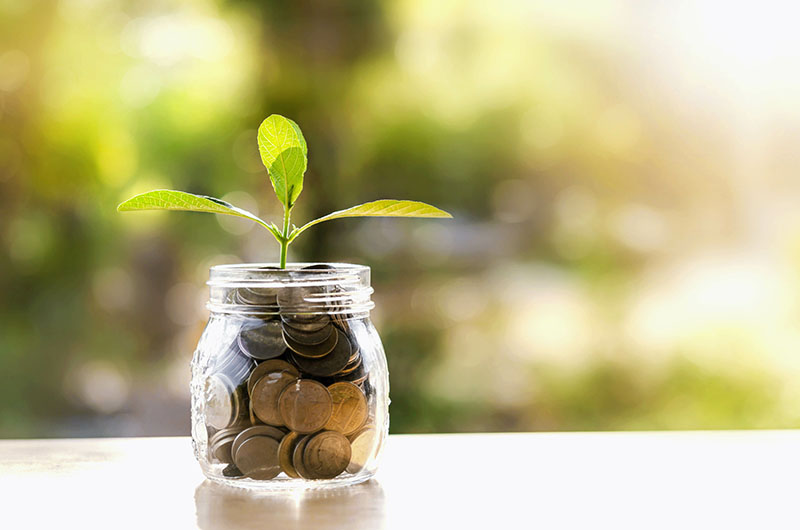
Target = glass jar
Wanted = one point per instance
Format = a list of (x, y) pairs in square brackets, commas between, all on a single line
[(290, 386)]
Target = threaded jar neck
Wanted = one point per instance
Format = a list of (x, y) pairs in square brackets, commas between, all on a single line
[(300, 288)]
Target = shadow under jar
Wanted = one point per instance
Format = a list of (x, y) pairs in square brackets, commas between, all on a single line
[(290, 387)]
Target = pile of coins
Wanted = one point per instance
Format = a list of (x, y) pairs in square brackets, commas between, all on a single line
[(290, 394)]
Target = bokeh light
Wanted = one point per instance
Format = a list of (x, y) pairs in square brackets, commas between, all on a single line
[(625, 252)]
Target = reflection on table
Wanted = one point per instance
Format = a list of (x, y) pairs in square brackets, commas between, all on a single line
[(223, 507)]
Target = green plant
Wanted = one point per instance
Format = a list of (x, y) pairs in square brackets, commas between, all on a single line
[(285, 155)]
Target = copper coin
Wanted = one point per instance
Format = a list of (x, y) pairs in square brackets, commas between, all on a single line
[(351, 366), (286, 453), (306, 326), (257, 458), (305, 406), (257, 430), (312, 351), (223, 433), (359, 374), (349, 408), (327, 454), (272, 365), (309, 338), (363, 444), (266, 393), (329, 364), (297, 457), (253, 418), (356, 352), (262, 340), (222, 450)]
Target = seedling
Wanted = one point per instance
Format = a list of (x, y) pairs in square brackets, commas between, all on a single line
[(285, 155)]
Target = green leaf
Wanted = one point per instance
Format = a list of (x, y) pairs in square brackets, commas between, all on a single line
[(189, 202), (283, 151), (379, 208), (299, 134)]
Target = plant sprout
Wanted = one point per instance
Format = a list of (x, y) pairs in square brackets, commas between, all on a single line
[(285, 155)]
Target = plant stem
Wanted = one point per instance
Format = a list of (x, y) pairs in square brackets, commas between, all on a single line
[(287, 214)]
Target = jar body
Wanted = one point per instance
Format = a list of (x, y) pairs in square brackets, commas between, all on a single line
[(289, 380)]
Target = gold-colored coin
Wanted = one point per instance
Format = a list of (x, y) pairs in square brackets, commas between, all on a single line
[(326, 454), (258, 430), (305, 406), (257, 458), (349, 408), (272, 365), (363, 445), (286, 453), (297, 457), (266, 393)]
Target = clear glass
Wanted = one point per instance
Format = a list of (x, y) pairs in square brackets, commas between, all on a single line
[(290, 387)]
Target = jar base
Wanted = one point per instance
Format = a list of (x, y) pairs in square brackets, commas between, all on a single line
[(291, 484)]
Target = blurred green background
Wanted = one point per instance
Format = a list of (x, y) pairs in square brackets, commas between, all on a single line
[(625, 252)]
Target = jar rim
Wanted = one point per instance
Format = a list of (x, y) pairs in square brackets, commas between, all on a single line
[(323, 288), (256, 272)]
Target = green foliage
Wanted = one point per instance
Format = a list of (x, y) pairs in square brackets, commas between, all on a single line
[(379, 208), (284, 153), (189, 202)]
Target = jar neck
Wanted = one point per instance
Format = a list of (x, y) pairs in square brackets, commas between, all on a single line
[(301, 288)]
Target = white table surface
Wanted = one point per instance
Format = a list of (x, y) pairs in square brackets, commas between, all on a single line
[(491, 481)]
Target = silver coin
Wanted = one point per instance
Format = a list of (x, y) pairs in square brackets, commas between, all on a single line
[(220, 405), (262, 339)]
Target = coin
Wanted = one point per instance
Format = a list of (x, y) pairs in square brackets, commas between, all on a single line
[(326, 454), (256, 296), (297, 457), (258, 430), (265, 396), (305, 406), (351, 366), (331, 363), (257, 458), (222, 450), (358, 374), (231, 471), (356, 352), (262, 340), (286, 453), (298, 301), (222, 433), (308, 327), (362, 444), (233, 363), (219, 401), (313, 351), (309, 338), (252, 415), (271, 365), (349, 408)]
